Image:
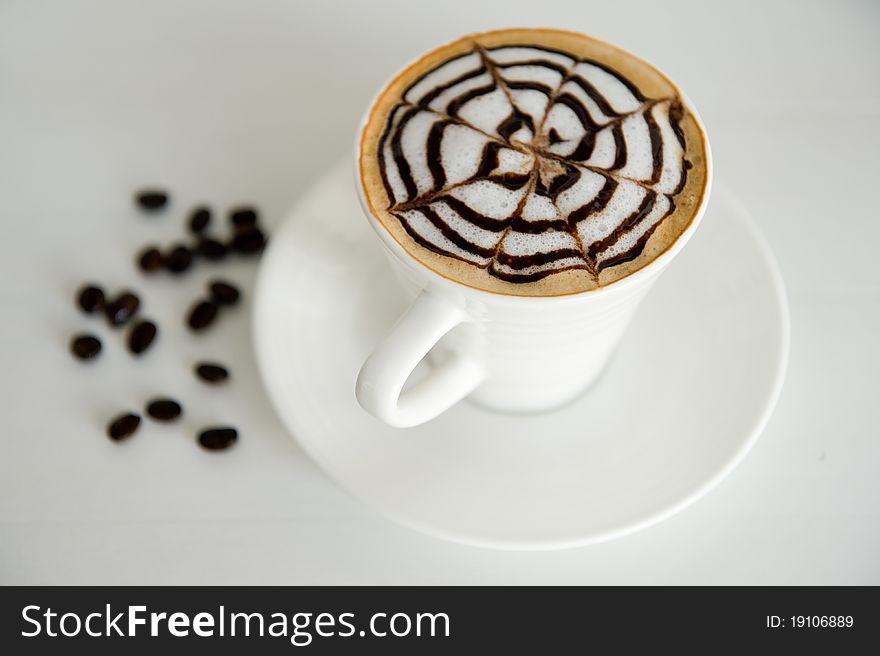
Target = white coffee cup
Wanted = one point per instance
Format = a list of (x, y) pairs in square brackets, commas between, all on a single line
[(513, 354)]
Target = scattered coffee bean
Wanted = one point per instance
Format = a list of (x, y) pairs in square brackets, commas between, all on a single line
[(248, 240), (122, 309), (123, 426), (90, 299), (199, 219), (211, 372), (243, 216), (152, 199), (179, 259), (164, 409), (223, 293), (217, 439), (85, 347), (141, 337), (150, 259), (211, 249), (202, 315)]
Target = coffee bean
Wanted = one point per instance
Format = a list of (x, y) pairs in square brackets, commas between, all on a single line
[(202, 315), (223, 293), (211, 372), (90, 298), (248, 240), (217, 439), (150, 259), (243, 216), (123, 426), (85, 347), (164, 409), (179, 259), (199, 219), (122, 309), (211, 249), (141, 337), (151, 199)]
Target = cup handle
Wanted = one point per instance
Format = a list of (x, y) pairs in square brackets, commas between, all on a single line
[(380, 382)]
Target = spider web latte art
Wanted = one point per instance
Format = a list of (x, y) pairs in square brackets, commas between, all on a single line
[(526, 161)]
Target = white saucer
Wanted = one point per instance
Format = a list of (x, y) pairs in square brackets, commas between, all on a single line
[(684, 399)]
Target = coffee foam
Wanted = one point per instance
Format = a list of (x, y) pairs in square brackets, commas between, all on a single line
[(527, 163)]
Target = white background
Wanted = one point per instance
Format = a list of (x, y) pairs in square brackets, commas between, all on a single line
[(250, 101)]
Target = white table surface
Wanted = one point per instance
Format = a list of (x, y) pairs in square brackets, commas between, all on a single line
[(241, 101)]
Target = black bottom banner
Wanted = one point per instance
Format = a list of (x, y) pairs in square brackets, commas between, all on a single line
[(442, 620)]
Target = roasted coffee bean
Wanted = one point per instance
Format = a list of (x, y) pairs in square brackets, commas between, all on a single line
[(178, 259), (211, 249), (199, 219), (150, 259), (202, 315), (217, 439), (243, 216), (123, 426), (164, 409), (123, 308), (85, 347), (248, 240), (223, 293), (90, 298), (151, 199), (211, 372), (141, 336)]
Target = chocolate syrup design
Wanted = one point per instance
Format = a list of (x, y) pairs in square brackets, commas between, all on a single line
[(526, 161)]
